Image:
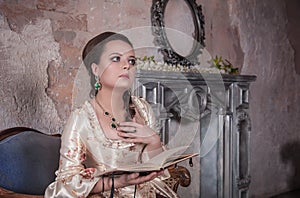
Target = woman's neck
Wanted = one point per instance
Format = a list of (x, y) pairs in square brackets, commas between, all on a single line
[(113, 102)]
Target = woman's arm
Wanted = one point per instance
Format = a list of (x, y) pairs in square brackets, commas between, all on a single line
[(143, 129), (123, 180), (73, 179)]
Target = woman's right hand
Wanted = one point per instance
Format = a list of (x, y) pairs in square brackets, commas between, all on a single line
[(124, 180), (138, 133), (135, 178)]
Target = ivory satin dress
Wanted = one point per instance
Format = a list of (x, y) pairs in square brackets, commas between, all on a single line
[(84, 145)]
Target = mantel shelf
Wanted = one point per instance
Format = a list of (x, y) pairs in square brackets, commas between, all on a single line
[(169, 75)]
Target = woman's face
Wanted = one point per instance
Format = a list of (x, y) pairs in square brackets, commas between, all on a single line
[(116, 66)]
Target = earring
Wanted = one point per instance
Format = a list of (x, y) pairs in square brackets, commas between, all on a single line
[(129, 92), (97, 84)]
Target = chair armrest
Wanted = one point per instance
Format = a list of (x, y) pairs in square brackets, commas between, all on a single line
[(179, 176)]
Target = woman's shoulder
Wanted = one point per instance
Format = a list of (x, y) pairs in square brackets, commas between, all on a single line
[(84, 112), (142, 106), (83, 109), (145, 111), (80, 118), (140, 102)]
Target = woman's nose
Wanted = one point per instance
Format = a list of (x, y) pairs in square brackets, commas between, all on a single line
[(126, 65)]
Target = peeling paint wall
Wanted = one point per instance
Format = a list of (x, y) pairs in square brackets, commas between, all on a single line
[(40, 53)]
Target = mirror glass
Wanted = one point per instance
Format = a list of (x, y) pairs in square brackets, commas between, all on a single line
[(179, 32), (178, 29)]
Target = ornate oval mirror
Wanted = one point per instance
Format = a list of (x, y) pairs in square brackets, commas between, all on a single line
[(178, 29)]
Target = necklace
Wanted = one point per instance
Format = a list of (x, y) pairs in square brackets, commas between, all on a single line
[(113, 120)]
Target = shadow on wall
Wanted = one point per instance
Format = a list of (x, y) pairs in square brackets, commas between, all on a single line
[(290, 155), (293, 29)]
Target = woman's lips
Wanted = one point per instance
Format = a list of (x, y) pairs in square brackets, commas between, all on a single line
[(124, 76)]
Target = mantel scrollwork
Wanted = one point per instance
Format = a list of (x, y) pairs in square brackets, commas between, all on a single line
[(191, 105), (244, 183), (244, 122)]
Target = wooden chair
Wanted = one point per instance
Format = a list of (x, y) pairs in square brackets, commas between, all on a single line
[(30, 158), (180, 176)]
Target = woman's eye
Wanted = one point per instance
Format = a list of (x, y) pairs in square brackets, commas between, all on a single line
[(131, 61), (115, 59)]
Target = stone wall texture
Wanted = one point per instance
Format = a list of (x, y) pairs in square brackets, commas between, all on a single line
[(40, 53)]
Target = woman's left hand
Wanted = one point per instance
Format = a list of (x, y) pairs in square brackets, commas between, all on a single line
[(138, 133)]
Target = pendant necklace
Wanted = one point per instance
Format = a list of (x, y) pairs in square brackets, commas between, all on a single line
[(113, 120)]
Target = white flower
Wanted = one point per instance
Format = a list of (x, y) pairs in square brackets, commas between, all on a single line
[(151, 65)]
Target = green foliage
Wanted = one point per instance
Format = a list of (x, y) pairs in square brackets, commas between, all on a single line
[(148, 58), (224, 65)]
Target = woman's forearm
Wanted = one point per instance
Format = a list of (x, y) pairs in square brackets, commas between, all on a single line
[(102, 185)]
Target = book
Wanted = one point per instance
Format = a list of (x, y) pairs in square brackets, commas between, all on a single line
[(161, 161)]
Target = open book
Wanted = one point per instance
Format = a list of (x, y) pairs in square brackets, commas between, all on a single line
[(161, 161)]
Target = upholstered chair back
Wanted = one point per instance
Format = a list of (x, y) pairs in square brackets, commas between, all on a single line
[(28, 160)]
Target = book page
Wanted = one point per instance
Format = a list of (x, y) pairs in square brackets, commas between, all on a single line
[(159, 162), (162, 157)]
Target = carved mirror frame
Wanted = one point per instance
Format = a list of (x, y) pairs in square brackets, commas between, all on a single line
[(161, 40)]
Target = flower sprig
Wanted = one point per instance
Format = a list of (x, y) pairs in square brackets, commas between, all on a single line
[(148, 58), (224, 65)]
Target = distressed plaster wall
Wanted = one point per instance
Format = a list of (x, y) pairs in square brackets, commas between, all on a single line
[(275, 100), (40, 53), (41, 44), (24, 61)]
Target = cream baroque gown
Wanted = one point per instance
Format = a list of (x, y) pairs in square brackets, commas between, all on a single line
[(84, 145)]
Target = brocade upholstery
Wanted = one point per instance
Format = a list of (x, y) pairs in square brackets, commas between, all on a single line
[(28, 162)]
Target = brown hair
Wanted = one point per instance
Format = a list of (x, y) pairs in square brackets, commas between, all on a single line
[(93, 50)]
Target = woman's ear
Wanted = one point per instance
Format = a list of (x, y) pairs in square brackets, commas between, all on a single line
[(95, 69)]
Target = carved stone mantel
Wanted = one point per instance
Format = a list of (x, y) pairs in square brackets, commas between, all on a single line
[(220, 106)]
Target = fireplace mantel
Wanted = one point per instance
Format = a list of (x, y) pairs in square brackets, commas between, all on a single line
[(219, 103)]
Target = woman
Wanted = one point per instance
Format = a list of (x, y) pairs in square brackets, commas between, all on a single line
[(110, 130)]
